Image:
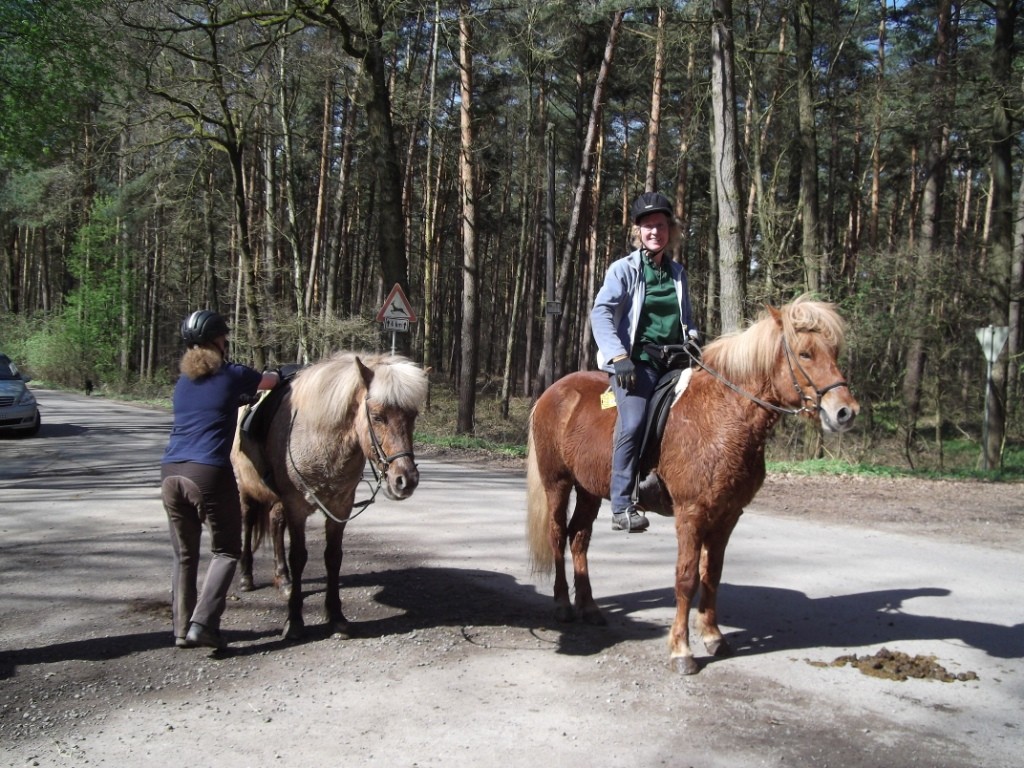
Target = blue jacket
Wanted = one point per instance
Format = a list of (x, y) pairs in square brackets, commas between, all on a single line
[(616, 312), (206, 414)]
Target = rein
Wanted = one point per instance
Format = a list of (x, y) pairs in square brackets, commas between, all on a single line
[(379, 464), (794, 366)]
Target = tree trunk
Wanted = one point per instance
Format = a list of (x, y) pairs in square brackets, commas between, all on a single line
[(521, 256), (470, 266), (567, 260), (654, 124), (928, 244), (313, 282), (876, 144), (724, 160), (687, 130), (1000, 269), (810, 246), (298, 287), (1016, 318), (339, 289), (429, 204)]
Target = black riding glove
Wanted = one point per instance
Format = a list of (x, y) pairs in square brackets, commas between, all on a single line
[(625, 373)]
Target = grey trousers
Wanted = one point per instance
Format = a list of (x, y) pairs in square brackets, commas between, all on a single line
[(194, 494), (631, 410)]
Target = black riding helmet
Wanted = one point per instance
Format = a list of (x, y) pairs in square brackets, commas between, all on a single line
[(203, 326), (647, 203)]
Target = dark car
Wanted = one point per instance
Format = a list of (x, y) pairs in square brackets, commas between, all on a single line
[(19, 412)]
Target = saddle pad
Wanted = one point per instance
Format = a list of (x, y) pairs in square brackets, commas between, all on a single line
[(256, 420)]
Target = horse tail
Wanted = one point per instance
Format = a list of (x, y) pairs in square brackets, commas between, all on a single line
[(538, 518), (258, 518)]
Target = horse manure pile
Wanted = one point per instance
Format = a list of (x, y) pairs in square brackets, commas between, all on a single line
[(896, 665)]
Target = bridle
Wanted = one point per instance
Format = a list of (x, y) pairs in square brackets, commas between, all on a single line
[(380, 462), (794, 365)]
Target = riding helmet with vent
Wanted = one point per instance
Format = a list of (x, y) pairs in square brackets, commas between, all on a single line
[(647, 203), (203, 326)]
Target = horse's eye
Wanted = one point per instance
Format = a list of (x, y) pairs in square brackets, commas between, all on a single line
[(806, 356), (378, 419)]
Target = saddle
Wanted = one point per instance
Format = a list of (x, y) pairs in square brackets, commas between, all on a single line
[(254, 423)]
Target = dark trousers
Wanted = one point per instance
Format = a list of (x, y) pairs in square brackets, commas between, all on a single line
[(194, 494), (631, 409)]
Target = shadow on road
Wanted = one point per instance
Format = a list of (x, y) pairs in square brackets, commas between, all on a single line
[(786, 620), (472, 600), (423, 598)]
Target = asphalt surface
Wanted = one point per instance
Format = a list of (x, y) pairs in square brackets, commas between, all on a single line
[(461, 663)]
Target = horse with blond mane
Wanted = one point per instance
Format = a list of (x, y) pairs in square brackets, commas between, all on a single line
[(709, 466), (338, 415)]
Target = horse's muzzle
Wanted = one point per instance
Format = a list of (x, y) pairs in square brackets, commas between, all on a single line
[(838, 417), (401, 481)]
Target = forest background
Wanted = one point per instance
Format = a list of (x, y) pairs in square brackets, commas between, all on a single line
[(287, 162)]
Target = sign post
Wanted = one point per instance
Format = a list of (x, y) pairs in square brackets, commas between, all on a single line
[(397, 314), (992, 340)]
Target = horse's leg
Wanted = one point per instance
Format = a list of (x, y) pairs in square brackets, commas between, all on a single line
[(687, 565), (245, 582), (580, 529), (282, 578), (297, 556), (712, 559), (332, 597), (558, 503)]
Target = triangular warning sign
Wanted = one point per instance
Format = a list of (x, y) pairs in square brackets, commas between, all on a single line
[(396, 307)]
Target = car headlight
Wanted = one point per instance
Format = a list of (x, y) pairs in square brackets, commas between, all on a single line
[(27, 398)]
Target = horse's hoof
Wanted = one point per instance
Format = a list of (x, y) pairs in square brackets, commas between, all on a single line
[(342, 631), (684, 665), (245, 585), (594, 618), (565, 614), (720, 648), (293, 630), (285, 589)]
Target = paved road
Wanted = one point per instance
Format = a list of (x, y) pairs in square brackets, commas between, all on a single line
[(459, 662)]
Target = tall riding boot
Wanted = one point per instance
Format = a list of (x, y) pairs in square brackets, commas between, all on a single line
[(213, 596)]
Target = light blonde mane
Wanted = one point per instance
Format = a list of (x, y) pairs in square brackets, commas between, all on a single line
[(325, 392), (751, 354)]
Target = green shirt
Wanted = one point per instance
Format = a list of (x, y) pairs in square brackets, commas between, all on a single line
[(659, 318)]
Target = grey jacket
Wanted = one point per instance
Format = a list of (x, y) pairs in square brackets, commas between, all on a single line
[(616, 312)]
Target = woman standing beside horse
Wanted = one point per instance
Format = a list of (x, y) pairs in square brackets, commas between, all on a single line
[(644, 300), (197, 481)]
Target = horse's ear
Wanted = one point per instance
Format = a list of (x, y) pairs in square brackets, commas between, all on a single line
[(365, 373), (775, 313)]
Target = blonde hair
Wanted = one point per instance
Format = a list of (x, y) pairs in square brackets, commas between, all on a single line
[(325, 392), (752, 353), (201, 361)]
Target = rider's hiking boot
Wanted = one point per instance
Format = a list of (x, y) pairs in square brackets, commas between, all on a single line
[(629, 520), (204, 637)]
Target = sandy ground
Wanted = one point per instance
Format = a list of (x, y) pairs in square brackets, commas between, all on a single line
[(458, 660)]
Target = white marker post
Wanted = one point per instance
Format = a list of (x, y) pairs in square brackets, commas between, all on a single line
[(992, 340)]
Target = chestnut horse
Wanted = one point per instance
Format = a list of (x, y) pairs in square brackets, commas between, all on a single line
[(339, 414), (711, 459)]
